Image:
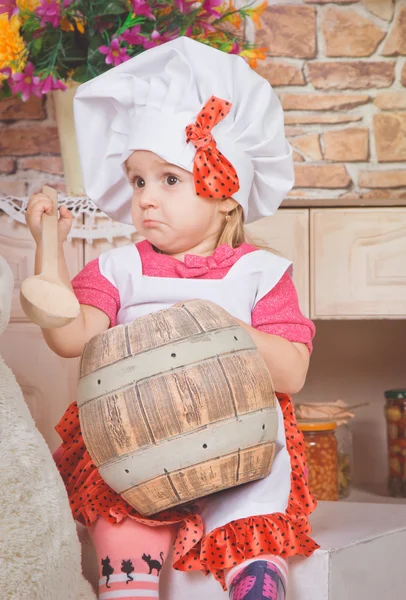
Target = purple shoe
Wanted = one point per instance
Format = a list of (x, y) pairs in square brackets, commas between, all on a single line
[(259, 580)]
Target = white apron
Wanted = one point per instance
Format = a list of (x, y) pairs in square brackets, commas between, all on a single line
[(247, 281)]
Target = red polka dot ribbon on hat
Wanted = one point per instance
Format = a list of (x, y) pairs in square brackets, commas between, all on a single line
[(215, 176)]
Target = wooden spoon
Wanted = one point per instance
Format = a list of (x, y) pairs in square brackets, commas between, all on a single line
[(45, 299)]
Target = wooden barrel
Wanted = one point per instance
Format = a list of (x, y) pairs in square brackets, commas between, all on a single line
[(177, 405)]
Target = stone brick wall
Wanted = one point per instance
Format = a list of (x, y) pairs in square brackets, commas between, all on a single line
[(339, 69), (29, 147)]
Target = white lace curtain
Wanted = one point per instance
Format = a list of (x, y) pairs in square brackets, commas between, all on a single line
[(95, 226)]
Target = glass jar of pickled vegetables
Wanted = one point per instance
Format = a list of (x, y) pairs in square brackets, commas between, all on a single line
[(322, 458), (345, 459), (395, 413)]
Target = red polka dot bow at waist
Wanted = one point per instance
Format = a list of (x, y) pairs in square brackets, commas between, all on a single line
[(214, 175), (195, 266)]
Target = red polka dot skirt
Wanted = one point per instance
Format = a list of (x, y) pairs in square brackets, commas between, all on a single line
[(285, 534)]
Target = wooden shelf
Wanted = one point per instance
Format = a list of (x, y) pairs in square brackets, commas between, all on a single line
[(342, 202)]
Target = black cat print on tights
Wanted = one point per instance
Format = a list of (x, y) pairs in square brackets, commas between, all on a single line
[(152, 563), (107, 569), (127, 567)]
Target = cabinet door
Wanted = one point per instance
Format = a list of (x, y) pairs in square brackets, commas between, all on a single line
[(48, 382), (358, 263), (287, 231)]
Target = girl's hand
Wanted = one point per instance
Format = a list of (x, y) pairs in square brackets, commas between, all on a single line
[(39, 204)]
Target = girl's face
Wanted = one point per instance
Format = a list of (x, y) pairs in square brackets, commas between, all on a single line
[(166, 209)]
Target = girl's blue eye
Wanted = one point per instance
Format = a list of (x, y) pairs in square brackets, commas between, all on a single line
[(172, 180)]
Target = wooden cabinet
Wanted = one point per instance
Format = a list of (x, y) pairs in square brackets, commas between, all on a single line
[(358, 263), (348, 263), (288, 232)]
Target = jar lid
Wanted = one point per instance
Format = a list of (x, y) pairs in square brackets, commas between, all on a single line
[(397, 394), (317, 425)]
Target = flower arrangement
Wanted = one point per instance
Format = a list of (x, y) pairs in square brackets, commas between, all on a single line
[(46, 43)]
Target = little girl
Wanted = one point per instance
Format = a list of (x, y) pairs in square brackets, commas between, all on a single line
[(187, 143)]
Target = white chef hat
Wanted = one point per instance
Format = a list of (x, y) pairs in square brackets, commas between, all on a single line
[(149, 101)]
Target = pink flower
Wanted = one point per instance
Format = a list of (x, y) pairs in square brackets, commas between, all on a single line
[(167, 37), (235, 49), (184, 6), (161, 38), (156, 39), (140, 7), (6, 72), (210, 7), (49, 11), (132, 36), (50, 83), (205, 26), (26, 83), (114, 53), (9, 7)]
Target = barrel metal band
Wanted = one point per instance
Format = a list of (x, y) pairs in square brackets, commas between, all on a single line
[(129, 371), (215, 440)]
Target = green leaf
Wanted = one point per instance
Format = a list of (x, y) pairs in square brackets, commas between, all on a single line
[(5, 91), (81, 74), (114, 7), (36, 46), (93, 54), (30, 24), (96, 61)]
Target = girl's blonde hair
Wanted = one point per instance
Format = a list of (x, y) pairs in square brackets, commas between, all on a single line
[(234, 234)]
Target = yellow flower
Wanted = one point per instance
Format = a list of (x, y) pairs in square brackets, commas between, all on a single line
[(12, 47), (27, 4), (234, 19), (165, 11), (80, 23), (256, 13), (254, 55), (66, 25)]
